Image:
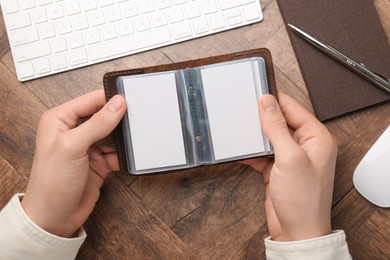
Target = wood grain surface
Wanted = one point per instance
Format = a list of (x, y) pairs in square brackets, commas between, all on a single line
[(210, 212)]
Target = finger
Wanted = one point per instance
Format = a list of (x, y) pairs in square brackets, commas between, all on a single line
[(99, 165), (267, 172), (110, 157), (259, 164), (99, 125), (274, 125), (295, 114), (309, 133), (66, 116), (106, 149), (72, 111), (112, 161)]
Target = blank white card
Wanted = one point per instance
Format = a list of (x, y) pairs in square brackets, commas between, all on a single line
[(154, 119), (231, 101)]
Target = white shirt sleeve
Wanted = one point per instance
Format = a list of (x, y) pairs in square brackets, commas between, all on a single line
[(333, 246), (20, 238)]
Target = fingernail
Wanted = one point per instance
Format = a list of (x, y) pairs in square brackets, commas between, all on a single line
[(115, 104), (269, 103)]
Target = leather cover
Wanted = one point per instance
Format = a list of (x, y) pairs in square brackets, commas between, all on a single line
[(110, 88), (351, 26)]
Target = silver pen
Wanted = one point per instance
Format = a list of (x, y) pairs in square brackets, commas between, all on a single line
[(375, 78)]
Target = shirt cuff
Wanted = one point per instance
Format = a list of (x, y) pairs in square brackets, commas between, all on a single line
[(22, 238), (332, 246)]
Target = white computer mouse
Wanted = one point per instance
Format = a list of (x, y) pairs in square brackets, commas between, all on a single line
[(372, 175)]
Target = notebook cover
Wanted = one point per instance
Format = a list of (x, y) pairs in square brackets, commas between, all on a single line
[(109, 82), (351, 26)]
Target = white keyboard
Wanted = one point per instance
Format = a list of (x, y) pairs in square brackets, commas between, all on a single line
[(52, 36)]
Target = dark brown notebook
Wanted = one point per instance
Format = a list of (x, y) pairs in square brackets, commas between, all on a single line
[(192, 113), (352, 27)]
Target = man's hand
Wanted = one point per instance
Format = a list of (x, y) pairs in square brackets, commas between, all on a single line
[(68, 170), (299, 182)]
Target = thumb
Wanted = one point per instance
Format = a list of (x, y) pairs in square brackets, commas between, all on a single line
[(101, 124), (274, 124)]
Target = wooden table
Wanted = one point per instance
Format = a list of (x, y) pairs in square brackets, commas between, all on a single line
[(213, 212)]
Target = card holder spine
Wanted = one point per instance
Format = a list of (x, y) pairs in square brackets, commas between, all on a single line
[(198, 115)]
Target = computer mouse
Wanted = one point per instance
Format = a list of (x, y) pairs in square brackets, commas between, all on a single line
[(372, 175)]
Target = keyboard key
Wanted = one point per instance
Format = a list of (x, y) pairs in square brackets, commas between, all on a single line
[(113, 13), (26, 70), (181, 30), (192, 10), (178, 2), (24, 52), (161, 4), (200, 25), (18, 20), (24, 36), (76, 40), (56, 11), (80, 22), (59, 44), (44, 2), (109, 32), (103, 3), (146, 6), (59, 62), (159, 19), (226, 4), (217, 21), (209, 6), (92, 36), (96, 18), (233, 13), (63, 26), (42, 66), (129, 44), (235, 20), (175, 15), (72, 7), (141, 23), (27, 4), (89, 5), (251, 12), (234, 16), (125, 28), (129, 9), (39, 15), (46, 30), (10, 6), (77, 57)]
